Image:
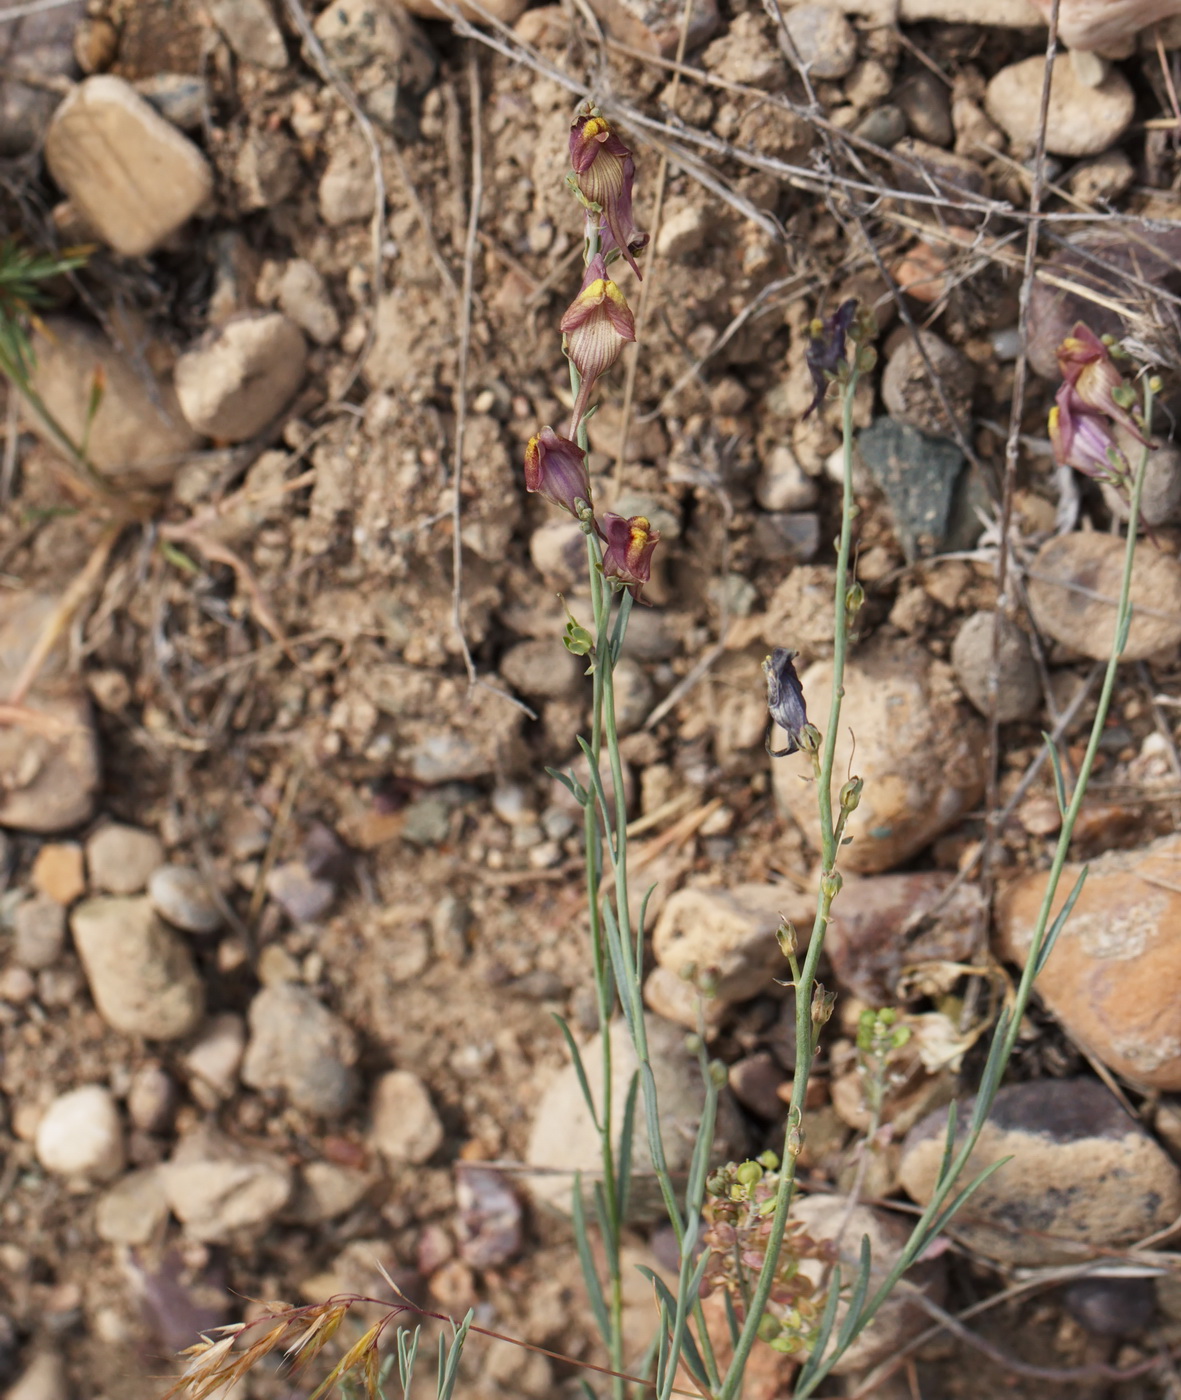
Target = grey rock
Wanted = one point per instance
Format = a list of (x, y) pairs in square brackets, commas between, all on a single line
[(955, 176), (251, 31), (823, 39), (40, 45), (121, 858), (488, 1218), (783, 485), (794, 537), (541, 668), (39, 932), (885, 126), (1111, 1307), (917, 474), (241, 375), (403, 1123), (180, 98), (1018, 685), (183, 896), (214, 1059), (564, 1140), (1079, 1174), (141, 974), (634, 695), (1160, 503), (300, 1047), (926, 103), (220, 1190), (1070, 577), (358, 33), (303, 898), (908, 393), (327, 1191)]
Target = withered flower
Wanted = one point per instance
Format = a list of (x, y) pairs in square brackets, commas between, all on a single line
[(555, 468), (605, 173), (1084, 440), (627, 555), (1093, 382), (785, 698), (825, 354), (597, 324)]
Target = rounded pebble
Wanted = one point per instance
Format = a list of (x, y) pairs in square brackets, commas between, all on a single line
[(80, 1135), (120, 858), (182, 896), (299, 1046), (1082, 120), (1160, 501), (233, 382), (824, 40), (783, 484), (1073, 577), (1018, 686), (151, 1099), (39, 932), (404, 1126), (907, 390), (542, 669)]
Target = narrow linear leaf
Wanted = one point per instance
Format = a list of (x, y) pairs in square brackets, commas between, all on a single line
[(851, 1325), (1056, 769), (574, 788), (579, 1069), (596, 779), (594, 1289), (606, 1229), (627, 1135), (1059, 923), (811, 1367), (688, 1347)]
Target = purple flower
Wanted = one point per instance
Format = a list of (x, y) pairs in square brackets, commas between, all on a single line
[(627, 555), (785, 698), (826, 350), (605, 172), (555, 468), (1085, 440), (1093, 381)]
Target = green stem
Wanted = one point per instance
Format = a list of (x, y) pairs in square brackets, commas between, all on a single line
[(805, 1036)]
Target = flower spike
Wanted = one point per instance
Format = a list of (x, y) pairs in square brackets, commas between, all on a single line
[(627, 556), (555, 468), (604, 172), (597, 325)]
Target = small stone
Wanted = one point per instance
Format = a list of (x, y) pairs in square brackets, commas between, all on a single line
[(239, 377), (215, 1059), (908, 393), (59, 871), (138, 431), (920, 754), (346, 193), (729, 934), (44, 1378), (404, 1126), (1099, 181), (80, 1135), (251, 31), (303, 297), (1112, 977), (783, 485), (925, 101), (1079, 1174), (266, 169), (756, 1081), (678, 1001), (328, 1191), (654, 25), (634, 695), (151, 1099), (1082, 120), (542, 669), (182, 896), (564, 1140), (141, 973), (558, 551), (133, 1211), (121, 858), (884, 126), (356, 32), (780, 536), (683, 232), (1111, 1307), (299, 1046), (917, 474), (39, 932), (1085, 621), (303, 898), (41, 44), (900, 1319), (181, 98), (957, 178), (219, 1189), (823, 39), (1018, 685), (1160, 501), (489, 1216), (17, 986), (132, 176)]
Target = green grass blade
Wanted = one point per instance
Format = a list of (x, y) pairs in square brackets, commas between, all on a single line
[(594, 1289), (627, 1136), (579, 1069), (1059, 923)]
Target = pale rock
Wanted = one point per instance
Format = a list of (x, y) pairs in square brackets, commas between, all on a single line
[(250, 30), (59, 871), (507, 11), (746, 53), (327, 1191), (180, 98), (121, 858), (905, 733), (1103, 179), (655, 25), (1018, 685), (729, 933), (1160, 500), (1007, 14), (901, 1318), (678, 1000), (151, 1099), (403, 1123), (219, 1189), (783, 484), (80, 1135), (907, 390), (297, 1045), (133, 1211), (39, 932), (1112, 977), (1084, 621), (564, 1140), (1081, 121), (381, 43), (138, 435), (239, 377), (558, 552), (683, 232), (215, 1058), (1110, 25), (183, 896), (346, 193), (542, 669), (303, 297), (1079, 1174), (266, 168), (132, 176), (141, 974), (44, 1378), (634, 695), (304, 897), (823, 40)]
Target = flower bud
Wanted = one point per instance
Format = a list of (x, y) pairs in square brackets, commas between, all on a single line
[(825, 355), (555, 468), (749, 1174), (830, 884), (604, 173)]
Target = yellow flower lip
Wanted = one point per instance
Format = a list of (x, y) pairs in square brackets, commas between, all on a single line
[(595, 126)]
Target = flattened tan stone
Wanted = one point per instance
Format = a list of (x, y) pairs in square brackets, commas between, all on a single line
[(133, 176), (1081, 121), (1114, 976)]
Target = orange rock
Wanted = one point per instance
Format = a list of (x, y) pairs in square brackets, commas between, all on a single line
[(58, 873), (1112, 979)]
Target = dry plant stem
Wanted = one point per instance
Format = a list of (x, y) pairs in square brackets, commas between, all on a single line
[(805, 1039)]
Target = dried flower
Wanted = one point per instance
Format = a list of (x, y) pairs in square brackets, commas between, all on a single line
[(627, 556), (825, 354), (785, 698), (597, 324), (1092, 381), (555, 468), (604, 172)]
